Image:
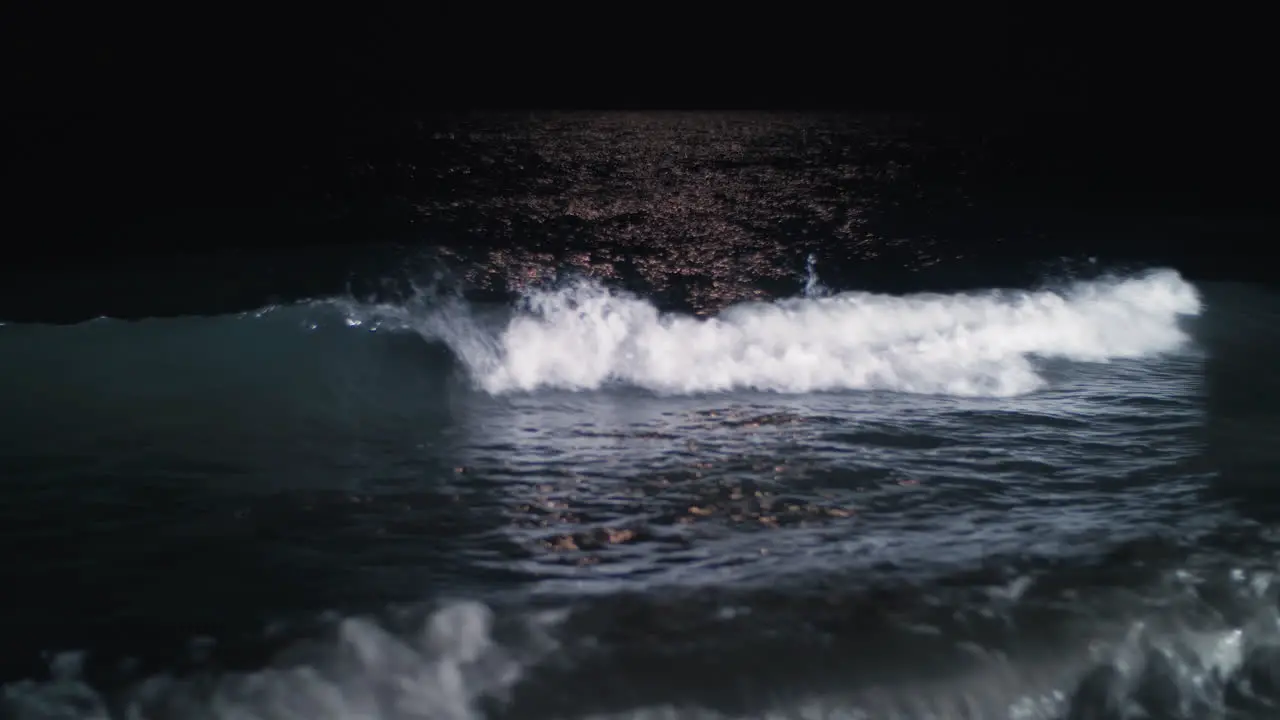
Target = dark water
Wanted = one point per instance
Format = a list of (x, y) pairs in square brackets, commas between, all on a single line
[(662, 467)]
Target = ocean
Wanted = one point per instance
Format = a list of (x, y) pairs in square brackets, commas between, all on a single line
[(657, 417)]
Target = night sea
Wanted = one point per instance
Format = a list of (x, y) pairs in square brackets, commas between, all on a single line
[(653, 415)]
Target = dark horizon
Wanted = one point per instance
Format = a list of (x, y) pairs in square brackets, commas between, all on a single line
[(243, 129)]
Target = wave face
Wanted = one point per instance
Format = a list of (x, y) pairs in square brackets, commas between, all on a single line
[(583, 336), (325, 368)]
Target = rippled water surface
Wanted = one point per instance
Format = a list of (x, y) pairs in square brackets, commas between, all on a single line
[(653, 478)]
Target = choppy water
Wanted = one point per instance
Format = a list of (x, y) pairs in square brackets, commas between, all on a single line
[(984, 503), (767, 492)]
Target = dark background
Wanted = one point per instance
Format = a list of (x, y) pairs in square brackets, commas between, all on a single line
[(184, 133)]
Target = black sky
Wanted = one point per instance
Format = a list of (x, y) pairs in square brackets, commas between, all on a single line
[(109, 104)]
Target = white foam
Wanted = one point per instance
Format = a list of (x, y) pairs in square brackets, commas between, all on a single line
[(583, 336), (365, 672), (443, 670)]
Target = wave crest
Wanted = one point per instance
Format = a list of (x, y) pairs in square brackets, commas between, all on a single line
[(584, 336)]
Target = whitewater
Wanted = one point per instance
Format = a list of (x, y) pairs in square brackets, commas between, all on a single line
[(583, 336)]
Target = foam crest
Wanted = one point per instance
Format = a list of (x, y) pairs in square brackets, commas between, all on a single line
[(583, 336), (364, 671), (1170, 661)]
